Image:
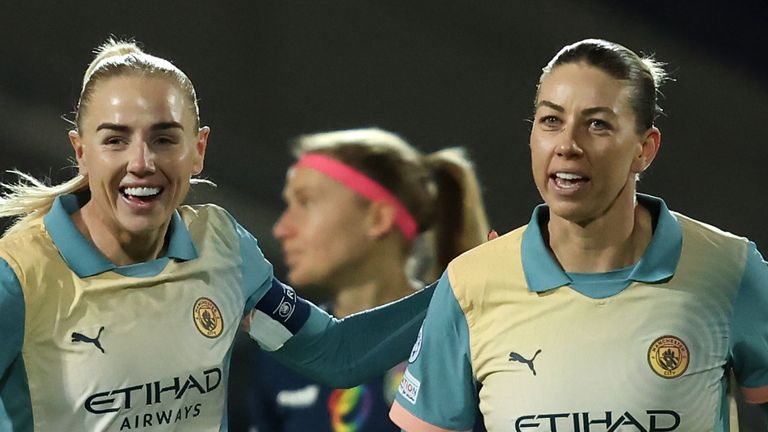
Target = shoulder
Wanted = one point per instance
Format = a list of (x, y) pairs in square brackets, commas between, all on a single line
[(699, 236), (23, 235), (489, 266), (27, 244), (488, 253), (209, 220), (693, 227), (215, 232), (710, 256), (204, 213)]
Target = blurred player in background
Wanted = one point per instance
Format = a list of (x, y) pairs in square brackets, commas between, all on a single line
[(367, 219)]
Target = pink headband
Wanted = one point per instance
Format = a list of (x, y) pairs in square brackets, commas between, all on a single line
[(363, 185)]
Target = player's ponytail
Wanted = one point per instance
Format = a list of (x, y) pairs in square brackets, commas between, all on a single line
[(459, 219), (29, 199), (440, 191)]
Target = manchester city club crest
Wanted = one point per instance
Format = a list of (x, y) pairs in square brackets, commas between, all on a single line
[(207, 317), (668, 356)]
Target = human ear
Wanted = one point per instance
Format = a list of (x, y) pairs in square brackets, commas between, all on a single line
[(200, 147), (650, 143), (77, 146), (380, 218)]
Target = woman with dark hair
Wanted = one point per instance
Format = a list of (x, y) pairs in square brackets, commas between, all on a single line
[(607, 311)]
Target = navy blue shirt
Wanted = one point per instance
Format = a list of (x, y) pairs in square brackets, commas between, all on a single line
[(281, 400)]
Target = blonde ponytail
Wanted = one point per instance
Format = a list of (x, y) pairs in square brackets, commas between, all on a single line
[(111, 48), (30, 199)]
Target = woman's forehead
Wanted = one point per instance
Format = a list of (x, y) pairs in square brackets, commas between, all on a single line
[(302, 178), (129, 99), (308, 180), (582, 85)]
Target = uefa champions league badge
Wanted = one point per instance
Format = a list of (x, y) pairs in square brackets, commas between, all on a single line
[(416, 346)]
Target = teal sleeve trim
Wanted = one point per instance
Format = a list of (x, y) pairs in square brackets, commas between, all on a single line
[(439, 386), (722, 420), (256, 270), (15, 404), (12, 313), (749, 328), (345, 353)]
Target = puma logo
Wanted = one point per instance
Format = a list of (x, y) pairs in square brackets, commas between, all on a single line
[(513, 356), (79, 337)]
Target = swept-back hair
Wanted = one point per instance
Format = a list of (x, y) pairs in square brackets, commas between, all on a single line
[(29, 198)]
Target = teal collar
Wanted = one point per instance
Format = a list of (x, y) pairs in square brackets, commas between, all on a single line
[(83, 257), (658, 262)]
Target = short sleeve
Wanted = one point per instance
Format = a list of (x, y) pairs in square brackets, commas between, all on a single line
[(256, 269), (438, 391), (12, 313), (749, 334), (273, 310)]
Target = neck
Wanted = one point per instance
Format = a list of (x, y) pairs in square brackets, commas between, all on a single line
[(352, 299), (119, 246), (378, 280), (614, 240)]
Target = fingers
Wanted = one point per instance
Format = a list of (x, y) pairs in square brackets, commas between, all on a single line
[(245, 324)]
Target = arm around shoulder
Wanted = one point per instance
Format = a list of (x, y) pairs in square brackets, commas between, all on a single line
[(346, 352), (337, 353)]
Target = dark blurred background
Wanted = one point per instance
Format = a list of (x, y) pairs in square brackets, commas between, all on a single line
[(440, 73)]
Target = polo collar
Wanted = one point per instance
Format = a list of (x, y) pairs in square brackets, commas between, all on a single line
[(658, 263), (82, 256)]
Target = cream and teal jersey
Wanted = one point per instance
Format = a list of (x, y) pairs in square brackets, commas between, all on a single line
[(90, 346), (644, 348)]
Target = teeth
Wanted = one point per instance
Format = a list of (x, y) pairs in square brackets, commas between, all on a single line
[(142, 191), (568, 176)]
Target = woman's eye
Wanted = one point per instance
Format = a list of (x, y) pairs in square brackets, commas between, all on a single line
[(114, 140), (299, 200), (549, 121), (597, 124), (165, 140)]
